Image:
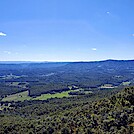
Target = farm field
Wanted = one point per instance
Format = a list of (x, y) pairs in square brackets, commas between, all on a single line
[(24, 96), (17, 97), (127, 83)]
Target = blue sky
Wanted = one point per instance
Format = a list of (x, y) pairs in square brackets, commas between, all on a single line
[(66, 30)]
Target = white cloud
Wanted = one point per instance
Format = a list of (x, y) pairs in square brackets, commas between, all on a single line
[(7, 52), (2, 34), (94, 49), (108, 12), (133, 35)]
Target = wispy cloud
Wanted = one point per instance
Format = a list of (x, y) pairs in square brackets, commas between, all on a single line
[(133, 35), (7, 52), (108, 12), (94, 49), (2, 34)]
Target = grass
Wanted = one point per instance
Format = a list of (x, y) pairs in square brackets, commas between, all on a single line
[(13, 83), (126, 83), (24, 96), (56, 95), (17, 97)]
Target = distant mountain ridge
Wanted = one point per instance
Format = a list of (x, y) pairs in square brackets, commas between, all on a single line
[(82, 74), (20, 62)]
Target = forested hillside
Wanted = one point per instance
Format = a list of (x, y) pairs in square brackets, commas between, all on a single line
[(77, 115), (67, 98)]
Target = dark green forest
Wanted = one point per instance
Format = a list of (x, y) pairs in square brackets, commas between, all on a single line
[(79, 115), (100, 101), (55, 77)]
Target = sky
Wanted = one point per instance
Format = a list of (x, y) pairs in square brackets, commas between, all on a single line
[(66, 30)]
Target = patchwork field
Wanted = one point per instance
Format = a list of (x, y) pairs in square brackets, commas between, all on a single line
[(24, 96)]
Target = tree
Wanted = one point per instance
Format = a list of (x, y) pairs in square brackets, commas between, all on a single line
[(65, 131)]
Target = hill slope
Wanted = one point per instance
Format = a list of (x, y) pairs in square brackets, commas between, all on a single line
[(75, 115)]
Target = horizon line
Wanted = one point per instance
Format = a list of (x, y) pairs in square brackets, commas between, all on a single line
[(70, 61)]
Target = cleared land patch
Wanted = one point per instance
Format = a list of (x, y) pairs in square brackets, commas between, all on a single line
[(17, 97), (127, 83), (24, 96)]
